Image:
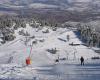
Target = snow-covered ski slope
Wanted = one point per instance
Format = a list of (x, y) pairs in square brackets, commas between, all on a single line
[(43, 66)]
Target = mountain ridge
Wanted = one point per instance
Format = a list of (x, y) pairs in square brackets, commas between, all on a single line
[(66, 5), (59, 3)]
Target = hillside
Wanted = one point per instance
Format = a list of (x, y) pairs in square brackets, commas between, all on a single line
[(49, 39), (14, 53)]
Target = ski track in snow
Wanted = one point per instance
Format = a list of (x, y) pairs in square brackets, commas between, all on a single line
[(44, 67)]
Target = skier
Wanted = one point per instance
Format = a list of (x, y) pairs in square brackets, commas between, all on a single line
[(82, 60), (57, 60)]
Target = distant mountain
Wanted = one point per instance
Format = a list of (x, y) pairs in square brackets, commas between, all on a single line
[(71, 5), (58, 3), (28, 3)]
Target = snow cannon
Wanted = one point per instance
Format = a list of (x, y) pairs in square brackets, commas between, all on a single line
[(28, 61)]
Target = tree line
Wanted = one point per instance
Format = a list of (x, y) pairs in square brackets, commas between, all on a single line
[(89, 35)]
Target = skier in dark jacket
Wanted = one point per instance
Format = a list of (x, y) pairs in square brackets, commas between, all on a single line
[(82, 60)]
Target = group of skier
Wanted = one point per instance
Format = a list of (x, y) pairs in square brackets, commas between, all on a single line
[(81, 61)]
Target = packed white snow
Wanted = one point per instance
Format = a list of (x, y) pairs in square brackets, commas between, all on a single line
[(43, 67)]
